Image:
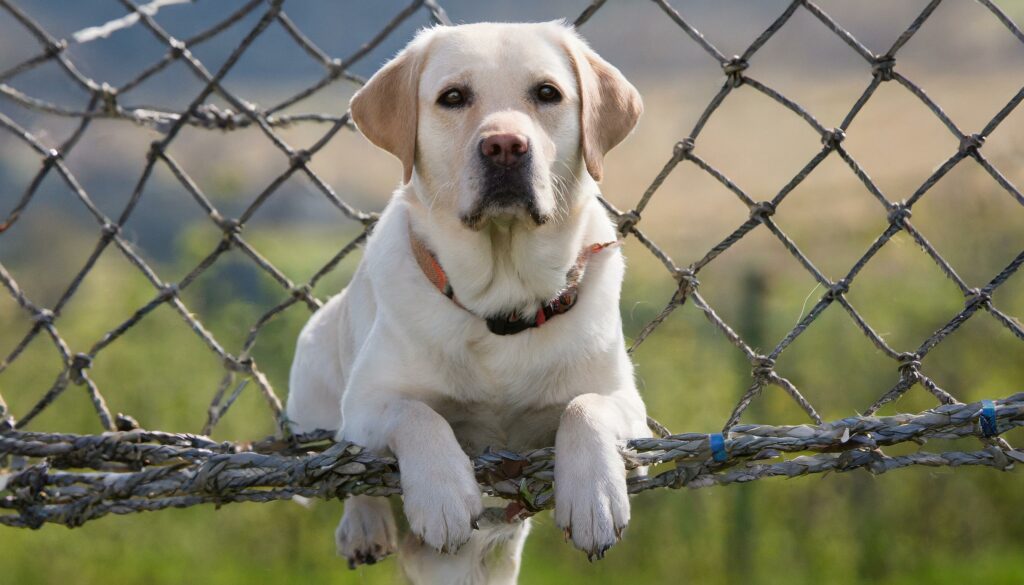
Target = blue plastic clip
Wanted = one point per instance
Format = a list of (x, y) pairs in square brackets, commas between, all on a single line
[(987, 419), (718, 452)]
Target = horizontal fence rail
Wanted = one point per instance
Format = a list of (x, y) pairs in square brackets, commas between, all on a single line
[(141, 471)]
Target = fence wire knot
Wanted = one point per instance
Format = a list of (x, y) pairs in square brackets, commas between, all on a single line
[(299, 159), (302, 291), (761, 211), (124, 423), (168, 292), (109, 230), (682, 149), (687, 283), (239, 365), (910, 365), (627, 221), (971, 143), (156, 151), (53, 48), (79, 363), (882, 68), (762, 367), (108, 96), (734, 69), (44, 316), (838, 288), (228, 226), (977, 296), (177, 48), (833, 138), (899, 213)]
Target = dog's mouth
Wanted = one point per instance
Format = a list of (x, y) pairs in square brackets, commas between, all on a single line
[(506, 195), (503, 215)]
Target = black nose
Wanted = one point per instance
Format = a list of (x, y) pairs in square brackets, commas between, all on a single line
[(504, 149)]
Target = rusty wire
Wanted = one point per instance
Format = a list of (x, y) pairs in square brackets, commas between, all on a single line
[(125, 478)]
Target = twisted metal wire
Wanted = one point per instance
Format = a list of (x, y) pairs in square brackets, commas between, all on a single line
[(138, 471), (187, 469)]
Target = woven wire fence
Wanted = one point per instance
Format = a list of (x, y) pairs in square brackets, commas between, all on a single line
[(69, 479)]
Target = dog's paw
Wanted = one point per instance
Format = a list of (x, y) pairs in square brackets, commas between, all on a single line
[(366, 533), (442, 509), (591, 503)]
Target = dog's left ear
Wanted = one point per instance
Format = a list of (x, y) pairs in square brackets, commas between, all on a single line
[(386, 109), (609, 104)]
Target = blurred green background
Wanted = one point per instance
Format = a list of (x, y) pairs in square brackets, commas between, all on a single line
[(911, 526)]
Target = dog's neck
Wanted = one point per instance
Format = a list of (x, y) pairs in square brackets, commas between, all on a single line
[(504, 268)]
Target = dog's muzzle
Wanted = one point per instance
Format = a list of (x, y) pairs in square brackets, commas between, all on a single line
[(506, 185)]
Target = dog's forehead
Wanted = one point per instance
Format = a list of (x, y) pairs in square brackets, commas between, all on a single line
[(510, 52)]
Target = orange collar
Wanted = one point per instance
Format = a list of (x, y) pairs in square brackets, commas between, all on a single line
[(509, 323)]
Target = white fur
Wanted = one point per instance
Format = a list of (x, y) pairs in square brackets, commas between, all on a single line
[(396, 366)]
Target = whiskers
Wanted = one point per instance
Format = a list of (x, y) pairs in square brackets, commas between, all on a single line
[(562, 187), (437, 191)]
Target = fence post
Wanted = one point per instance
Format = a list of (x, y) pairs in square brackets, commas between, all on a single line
[(742, 528)]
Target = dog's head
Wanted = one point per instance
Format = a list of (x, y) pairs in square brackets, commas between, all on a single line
[(497, 122)]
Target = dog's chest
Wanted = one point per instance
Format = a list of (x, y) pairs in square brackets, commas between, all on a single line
[(479, 425), (507, 395), (530, 368)]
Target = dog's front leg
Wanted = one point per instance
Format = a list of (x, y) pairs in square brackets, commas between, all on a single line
[(591, 502), (440, 493)]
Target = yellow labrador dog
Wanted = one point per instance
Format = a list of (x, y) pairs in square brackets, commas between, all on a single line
[(485, 311)]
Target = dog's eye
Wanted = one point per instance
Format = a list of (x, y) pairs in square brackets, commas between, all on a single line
[(548, 93), (452, 98)]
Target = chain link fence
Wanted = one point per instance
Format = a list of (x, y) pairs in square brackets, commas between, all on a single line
[(131, 470)]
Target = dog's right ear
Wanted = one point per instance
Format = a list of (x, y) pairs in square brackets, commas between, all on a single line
[(385, 109), (609, 104)]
